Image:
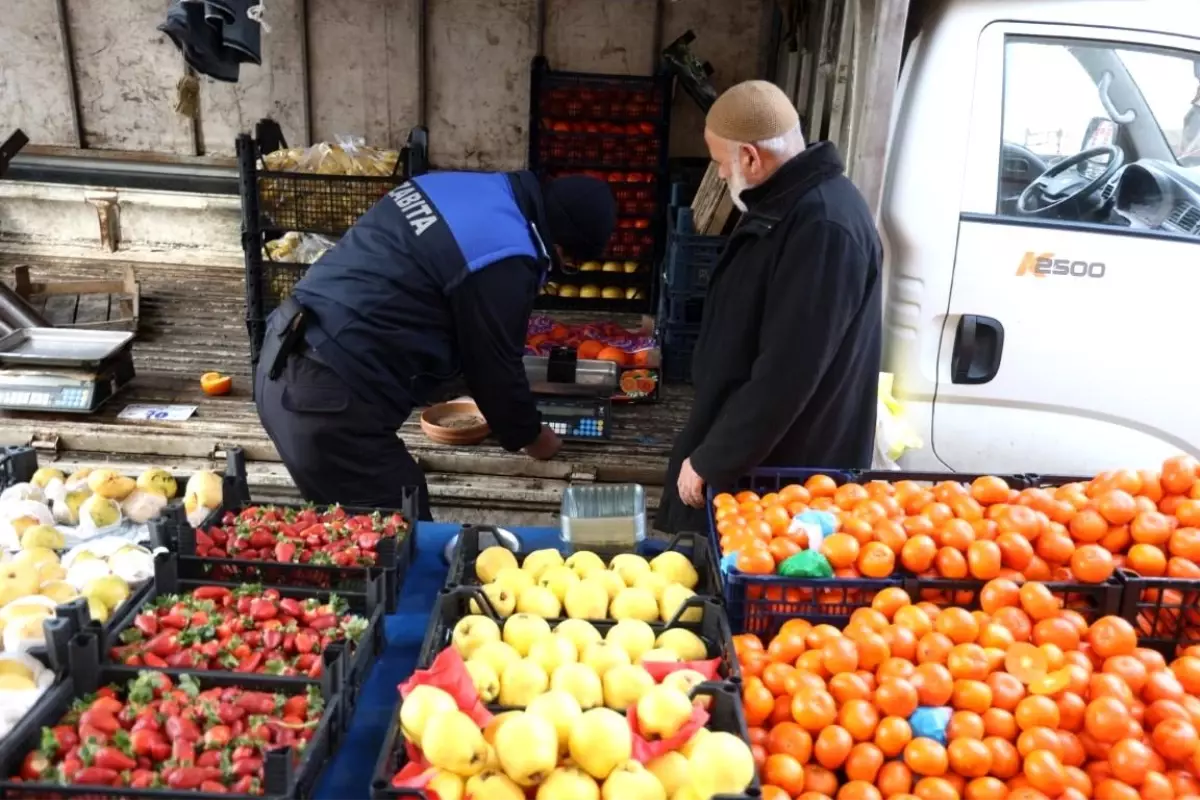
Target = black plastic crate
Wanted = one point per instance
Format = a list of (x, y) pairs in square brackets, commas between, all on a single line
[(678, 347), (17, 465), (680, 310), (394, 555), (760, 604), (691, 257), (282, 778), (1165, 612), (454, 603), (1091, 600), (1039, 481), (695, 546), (357, 659), (725, 715)]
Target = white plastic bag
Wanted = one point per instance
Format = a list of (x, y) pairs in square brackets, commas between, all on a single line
[(13, 510), (893, 434)]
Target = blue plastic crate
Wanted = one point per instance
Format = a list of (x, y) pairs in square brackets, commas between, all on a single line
[(680, 309), (690, 257), (678, 346)]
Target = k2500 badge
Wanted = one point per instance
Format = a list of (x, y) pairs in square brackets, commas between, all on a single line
[(1042, 265)]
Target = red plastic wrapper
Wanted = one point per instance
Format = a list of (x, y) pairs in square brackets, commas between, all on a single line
[(415, 776), (448, 672), (645, 751), (661, 669)]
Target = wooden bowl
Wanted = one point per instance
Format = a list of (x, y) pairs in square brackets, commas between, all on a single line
[(450, 423)]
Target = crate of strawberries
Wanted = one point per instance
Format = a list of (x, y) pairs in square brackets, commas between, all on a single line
[(201, 626), (109, 732), (286, 545)]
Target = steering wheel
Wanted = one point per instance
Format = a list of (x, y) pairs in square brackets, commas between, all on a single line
[(1061, 184)]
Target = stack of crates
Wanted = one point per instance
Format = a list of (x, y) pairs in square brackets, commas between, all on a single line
[(687, 267)]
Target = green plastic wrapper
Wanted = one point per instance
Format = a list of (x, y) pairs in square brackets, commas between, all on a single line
[(806, 564)]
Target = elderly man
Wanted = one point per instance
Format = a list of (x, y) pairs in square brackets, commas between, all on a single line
[(786, 366)]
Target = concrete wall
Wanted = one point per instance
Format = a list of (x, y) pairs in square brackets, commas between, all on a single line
[(335, 67)]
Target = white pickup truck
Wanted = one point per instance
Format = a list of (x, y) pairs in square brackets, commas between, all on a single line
[(1041, 218)]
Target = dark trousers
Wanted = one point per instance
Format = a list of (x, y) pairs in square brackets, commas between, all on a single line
[(338, 447)]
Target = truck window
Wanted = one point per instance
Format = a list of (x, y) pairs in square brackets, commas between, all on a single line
[(1065, 98)]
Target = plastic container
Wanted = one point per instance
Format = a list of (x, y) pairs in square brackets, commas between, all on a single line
[(691, 257), (276, 202), (17, 465), (696, 547), (454, 603), (283, 779), (615, 128), (394, 555), (1091, 600), (892, 476), (680, 310), (355, 662), (1165, 612), (678, 347), (603, 516), (725, 715)]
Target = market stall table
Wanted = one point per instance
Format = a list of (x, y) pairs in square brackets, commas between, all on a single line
[(349, 774)]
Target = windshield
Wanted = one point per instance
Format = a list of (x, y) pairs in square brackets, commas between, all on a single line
[(1168, 82)]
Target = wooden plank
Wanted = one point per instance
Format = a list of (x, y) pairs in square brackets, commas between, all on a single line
[(607, 36), (479, 71), (35, 83), (362, 59), (276, 89), (127, 72), (882, 43), (729, 35)]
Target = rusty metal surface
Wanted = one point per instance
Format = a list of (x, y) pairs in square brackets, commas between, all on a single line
[(191, 322)]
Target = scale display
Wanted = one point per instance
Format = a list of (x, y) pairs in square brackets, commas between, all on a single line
[(46, 392), (577, 419)]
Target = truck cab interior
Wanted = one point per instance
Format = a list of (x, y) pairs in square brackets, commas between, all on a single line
[(1103, 134)]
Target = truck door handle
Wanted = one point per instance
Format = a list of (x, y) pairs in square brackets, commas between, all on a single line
[(978, 345)]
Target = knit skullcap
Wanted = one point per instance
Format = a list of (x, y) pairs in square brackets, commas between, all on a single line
[(752, 111)]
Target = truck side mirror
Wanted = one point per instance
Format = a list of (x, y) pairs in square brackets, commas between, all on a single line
[(1101, 131)]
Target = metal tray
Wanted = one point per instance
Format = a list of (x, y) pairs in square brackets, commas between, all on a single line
[(591, 377), (61, 347)]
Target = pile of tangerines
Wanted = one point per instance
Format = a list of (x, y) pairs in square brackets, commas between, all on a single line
[(1146, 521), (1038, 705)]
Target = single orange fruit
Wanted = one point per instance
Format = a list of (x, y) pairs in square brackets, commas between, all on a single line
[(214, 384)]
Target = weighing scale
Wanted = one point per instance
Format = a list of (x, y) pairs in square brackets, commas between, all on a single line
[(574, 396), (63, 369)]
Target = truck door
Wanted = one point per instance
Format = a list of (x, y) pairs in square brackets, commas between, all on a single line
[(1068, 345)]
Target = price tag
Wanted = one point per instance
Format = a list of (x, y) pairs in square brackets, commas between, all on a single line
[(141, 413)]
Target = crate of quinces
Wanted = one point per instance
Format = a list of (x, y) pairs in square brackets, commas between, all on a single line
[(601, 662), (206, 626), (291, 545), (648, 585), (689, 744), (57, 510), (25, 677), (112, 732)]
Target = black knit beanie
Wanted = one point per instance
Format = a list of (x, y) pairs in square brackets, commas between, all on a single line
[(581, 215)]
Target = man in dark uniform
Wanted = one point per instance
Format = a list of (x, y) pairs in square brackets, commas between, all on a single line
[(437, 280), (786, 366)]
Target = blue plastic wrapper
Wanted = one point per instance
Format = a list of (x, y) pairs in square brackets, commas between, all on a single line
[(826, 521), (930, 722), (729, 562)]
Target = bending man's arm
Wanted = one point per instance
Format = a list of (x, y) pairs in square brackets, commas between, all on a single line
[(491, 315)]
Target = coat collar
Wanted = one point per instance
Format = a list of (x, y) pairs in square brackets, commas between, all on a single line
[(771, 200)]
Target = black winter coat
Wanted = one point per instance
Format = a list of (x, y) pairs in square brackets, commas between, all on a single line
[(786, 366)]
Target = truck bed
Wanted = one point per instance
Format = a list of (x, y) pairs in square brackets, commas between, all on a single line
[(192, 322)]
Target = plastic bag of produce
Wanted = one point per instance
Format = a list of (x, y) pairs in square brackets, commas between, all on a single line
[(297, 248), (347, 155), (16, 516), (893, 434), (806, 564)]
